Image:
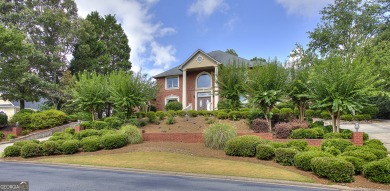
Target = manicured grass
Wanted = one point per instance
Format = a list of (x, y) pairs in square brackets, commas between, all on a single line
[(174, 162)]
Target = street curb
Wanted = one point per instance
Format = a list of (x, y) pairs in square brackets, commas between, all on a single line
[(193, 175)]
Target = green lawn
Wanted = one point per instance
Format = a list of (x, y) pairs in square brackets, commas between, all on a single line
[(164, 161)]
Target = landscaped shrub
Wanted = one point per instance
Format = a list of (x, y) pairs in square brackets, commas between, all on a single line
[(301, 145), (181, 113), (333, 135), (346, 133), (218, 134), (234, 115), (222, 115), (378, 171), (30, 150), (174, 105), (325, 115), (172, 113), (23, 117), (90, 144), (2, 135), (309, 113), (362, 154), (332, 150), (286, 113), (335, 169), (47, 119), (192, 113), (302, 160), (314, 133), (69, 130), (151, 115), (140, 114), (347, 117), (160, 115), (99, 125), (86, 125), (70, 147), (362, 117), (296, 124), (170, 120), (265, 152), (244, 146), (285, 156), (11, 136), (61, 136), (22, 143), (317, 124), (133, 134), (26, 132), (282, 130), (340, 144), (3, 120), (12, 151), (84, 116), (375, 144), (278, 144), (377, 152), (356, 162), (113, 141), (260, 126), (49, 148), (107, 131), (86, 133)]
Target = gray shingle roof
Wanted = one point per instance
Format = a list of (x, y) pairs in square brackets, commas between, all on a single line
[(217, 55)]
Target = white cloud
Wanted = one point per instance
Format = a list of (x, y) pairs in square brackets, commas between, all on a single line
[(231, 23), (142, 32), (205, 8), (307, 8)]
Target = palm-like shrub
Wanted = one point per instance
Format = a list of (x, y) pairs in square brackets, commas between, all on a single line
[(218, 134)]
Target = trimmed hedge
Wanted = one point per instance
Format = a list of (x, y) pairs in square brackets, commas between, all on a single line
[(244, 146), (340, 144), (375, 144), (12, 151), (285, 156), (362, 154), (86, 133), (265, 152), (218, 134), (282, 130), (70, 147), (302, 160), (314, 133), (278, 144), (22, 143), (356, 162), (47, 119), (113, 141), (132, 133), (378, 171), (30, 150), (335, 169), (301, 145), (90, 144), (49, 148), (173, 105), (23, 117), (99, 125)]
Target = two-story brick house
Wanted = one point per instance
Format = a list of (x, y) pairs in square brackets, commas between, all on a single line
[(193, 83)]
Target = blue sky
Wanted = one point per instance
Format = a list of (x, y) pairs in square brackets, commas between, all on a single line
[(164, 33)]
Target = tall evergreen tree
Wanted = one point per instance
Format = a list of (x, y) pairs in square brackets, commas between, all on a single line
[(103, 46)]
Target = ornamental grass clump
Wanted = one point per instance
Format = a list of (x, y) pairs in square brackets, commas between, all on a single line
[(132, 133), (218, 134)]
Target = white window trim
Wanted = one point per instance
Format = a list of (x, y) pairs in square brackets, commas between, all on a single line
[(178, 83), (204, 88), (203, 91), (171, 97)]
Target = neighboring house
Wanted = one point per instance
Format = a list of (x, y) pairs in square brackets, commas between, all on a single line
[(12, 107), (193, 83)]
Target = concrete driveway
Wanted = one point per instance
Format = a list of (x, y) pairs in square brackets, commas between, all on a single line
[(376, 130)]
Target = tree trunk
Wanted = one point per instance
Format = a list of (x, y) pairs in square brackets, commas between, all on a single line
[(22, 105), (333, 121), (108, 110), (100, 114), (338, 121), (268, 118), (301, 109), (93, 114)]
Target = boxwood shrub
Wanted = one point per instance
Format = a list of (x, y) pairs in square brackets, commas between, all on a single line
[(70, 147), (244, 146), (301, 145), (86, 133), (113, 141), (218, 134), (69, 130), (174, 105), (132, 133), (335, 169), (378, 171), (23, 117), (278, 144), (12, 151), (49, 148), (285, 156), (113, 122), (302, 160), (61, 136), (234, 115), (375, 144), (99, 125), (340, 144), (222, 115), (362, 154), (22, 143), (86, 125), (90, 144), (47, 119), (192, 113), (314, 133), (30, 150), (356, 162), (265, 152), (380, 154)]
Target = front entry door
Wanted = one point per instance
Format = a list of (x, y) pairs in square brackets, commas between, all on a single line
[(204, 101)]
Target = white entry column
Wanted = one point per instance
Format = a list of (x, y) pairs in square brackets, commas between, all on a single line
[(216, 89), (184, 94)]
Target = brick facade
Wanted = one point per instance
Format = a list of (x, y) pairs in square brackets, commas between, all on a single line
[(164, 93)]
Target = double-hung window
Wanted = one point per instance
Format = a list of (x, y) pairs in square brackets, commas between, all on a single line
[(172, 82)]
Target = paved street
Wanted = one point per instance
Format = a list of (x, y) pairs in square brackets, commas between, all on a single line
[(48, 178), (376, 130)]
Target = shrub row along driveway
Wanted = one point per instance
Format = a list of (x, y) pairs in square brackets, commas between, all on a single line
[(376, 130)]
